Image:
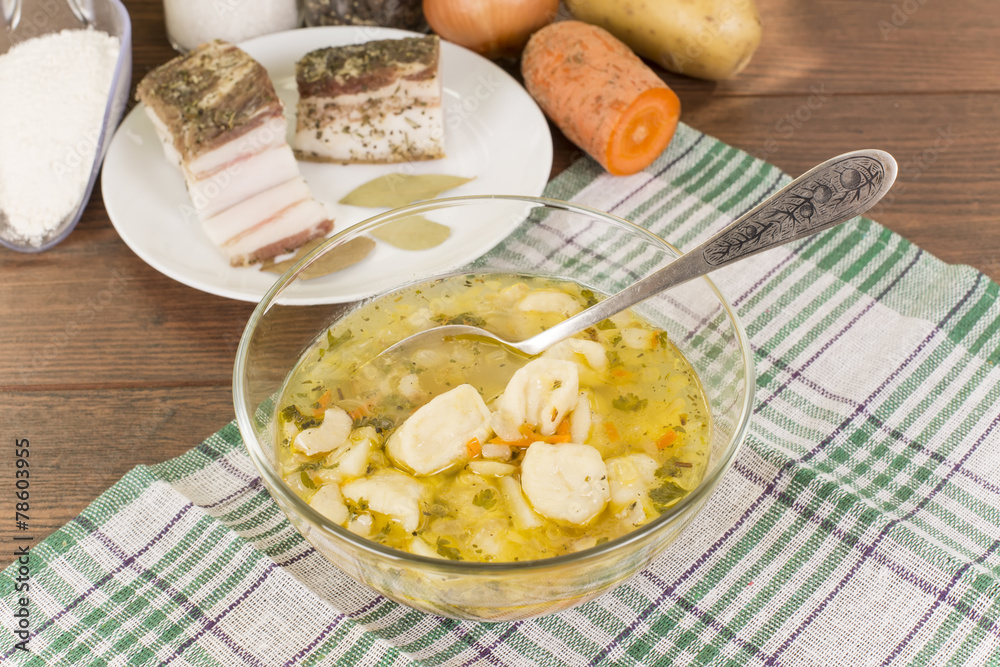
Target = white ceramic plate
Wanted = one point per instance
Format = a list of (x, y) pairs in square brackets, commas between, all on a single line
[(494, 132)]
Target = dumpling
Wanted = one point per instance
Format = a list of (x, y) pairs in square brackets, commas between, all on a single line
[(330, 503), (331, 434), (392, 493), (576, 349), (541, 393), (550, 301), (566, 482), (631, 476), (350, 459), (434, 438)]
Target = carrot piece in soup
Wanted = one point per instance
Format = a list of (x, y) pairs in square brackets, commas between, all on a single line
[(668, 439), (602, 96), (321, 405), (473, 448), (612, 431), (360, 411)]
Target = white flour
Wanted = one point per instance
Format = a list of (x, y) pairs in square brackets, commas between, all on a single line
[(53, 89)]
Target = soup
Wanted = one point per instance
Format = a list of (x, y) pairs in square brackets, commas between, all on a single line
[(465, 450)]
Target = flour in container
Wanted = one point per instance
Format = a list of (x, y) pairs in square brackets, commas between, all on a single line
[(54, 90)]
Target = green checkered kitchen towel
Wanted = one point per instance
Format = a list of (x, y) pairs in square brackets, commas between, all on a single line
[(860, 525)]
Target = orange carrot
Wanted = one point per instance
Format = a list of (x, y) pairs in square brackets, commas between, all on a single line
[(612, 431), (668, 438), (530, 436), (360, 411), (602, 96), (473, 448), (562, 434), (320, 406)]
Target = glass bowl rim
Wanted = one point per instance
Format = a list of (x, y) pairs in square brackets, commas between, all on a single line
[(332, 530)]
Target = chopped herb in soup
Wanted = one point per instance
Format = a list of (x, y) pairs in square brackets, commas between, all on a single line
[(466, 451)]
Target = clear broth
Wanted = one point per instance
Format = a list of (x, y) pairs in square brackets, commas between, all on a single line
[(647, 403)]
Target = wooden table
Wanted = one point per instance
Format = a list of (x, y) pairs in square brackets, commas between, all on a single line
[(106, 364)]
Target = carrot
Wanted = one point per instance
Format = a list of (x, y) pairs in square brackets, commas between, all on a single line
[(529, 436), (473, 448), (562, 434), (321, 405), (612, 431), (668, 438), (360, 411), (602, 96)]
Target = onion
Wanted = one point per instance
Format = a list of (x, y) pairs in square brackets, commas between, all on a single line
[(493, 28)]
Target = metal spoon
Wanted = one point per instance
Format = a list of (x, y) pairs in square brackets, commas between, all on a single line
[(828, 194)]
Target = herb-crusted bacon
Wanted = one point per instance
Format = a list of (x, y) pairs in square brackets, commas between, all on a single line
[(222, 123), (209, 97), (357, 68), (379, 101)]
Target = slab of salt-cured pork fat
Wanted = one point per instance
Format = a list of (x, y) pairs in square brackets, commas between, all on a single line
[(377, 102), (221, 122)]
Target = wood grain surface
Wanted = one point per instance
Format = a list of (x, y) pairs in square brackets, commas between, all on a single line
[(106, 364)]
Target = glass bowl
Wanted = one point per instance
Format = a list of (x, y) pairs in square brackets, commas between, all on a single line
[(546, 238), (27, 19)]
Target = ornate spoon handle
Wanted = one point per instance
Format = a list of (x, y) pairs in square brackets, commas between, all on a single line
[(828, 194)]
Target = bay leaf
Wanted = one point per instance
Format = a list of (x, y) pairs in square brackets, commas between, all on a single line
[(335, 260), (413, 232), (395, 190)]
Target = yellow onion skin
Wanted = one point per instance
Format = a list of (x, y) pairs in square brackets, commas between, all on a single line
[(491, 28)]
